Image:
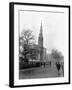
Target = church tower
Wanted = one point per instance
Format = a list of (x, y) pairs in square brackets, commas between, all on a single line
[(40, 43)]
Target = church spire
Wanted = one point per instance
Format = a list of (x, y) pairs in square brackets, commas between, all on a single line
[(40, 39), (41, 27), (41, 31), (40, 42)]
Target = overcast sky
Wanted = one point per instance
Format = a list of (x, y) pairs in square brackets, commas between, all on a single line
[(53, 27)]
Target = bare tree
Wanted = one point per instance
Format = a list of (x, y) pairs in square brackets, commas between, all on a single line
[(27, 37), (26, 40), (56, 54)]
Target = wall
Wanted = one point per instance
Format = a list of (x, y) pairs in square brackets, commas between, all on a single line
[(4, 44)]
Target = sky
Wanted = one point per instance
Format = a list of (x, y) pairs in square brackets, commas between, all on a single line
[(53, 25)]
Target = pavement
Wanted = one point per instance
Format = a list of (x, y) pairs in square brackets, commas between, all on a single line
[(39, 72)]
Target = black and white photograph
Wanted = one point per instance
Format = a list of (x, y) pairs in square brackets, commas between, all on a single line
[(41, 44)]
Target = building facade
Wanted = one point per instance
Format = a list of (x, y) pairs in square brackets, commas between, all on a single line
[(41, 51)]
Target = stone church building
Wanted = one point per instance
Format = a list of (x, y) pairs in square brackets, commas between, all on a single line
[(41, 57)]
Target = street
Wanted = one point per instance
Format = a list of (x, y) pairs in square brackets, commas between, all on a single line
[(39, 72)]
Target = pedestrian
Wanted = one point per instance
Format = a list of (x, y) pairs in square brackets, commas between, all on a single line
[(50, 63), (58, 67)]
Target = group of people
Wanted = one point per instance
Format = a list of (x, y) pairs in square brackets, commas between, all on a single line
[(59, 66)]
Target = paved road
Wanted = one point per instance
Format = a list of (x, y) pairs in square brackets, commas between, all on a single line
[(39, 72)]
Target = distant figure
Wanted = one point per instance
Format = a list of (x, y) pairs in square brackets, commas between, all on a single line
[(58, 67), (50, 63), (44, 64), (62, 65)]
